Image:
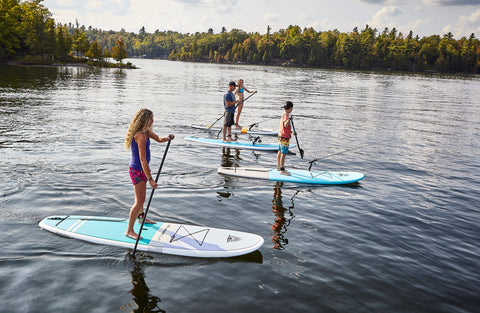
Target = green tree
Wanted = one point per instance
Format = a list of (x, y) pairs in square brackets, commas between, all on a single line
[(82, 44), (37, 28), (10, 15), (64, 43), (119, 50), (95, 51)]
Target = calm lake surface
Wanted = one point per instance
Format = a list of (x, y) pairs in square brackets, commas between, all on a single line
[(405, 239)]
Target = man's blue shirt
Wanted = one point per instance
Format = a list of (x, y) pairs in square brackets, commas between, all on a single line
[(229, 97)]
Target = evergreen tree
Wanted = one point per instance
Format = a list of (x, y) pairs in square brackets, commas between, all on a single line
[(119, 50)]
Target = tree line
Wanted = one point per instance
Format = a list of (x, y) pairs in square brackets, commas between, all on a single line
[(27, 29), (365, 49), (29, 34)]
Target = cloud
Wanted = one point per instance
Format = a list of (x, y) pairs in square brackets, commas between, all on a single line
[(190, 2), (450, 2), (415, 25), (467, 24), (385, 2), (383, 18), (427, 2), (271, 18), (120, 7)]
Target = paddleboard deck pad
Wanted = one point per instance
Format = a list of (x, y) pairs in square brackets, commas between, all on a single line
[(243, 130), (297, 176), (167, 238), (237, 144)]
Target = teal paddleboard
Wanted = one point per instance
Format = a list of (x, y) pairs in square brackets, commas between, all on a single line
[(167, 238)]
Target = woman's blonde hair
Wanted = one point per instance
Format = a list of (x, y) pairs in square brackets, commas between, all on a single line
[(138, 123)]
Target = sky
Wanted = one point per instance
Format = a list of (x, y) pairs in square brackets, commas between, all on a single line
[(422, 17)]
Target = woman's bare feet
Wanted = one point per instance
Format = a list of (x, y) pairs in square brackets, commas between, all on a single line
[(132, 235)]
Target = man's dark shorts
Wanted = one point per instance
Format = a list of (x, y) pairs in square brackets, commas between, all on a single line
[(229, 119)]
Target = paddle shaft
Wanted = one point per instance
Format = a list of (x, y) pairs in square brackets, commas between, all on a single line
[(294, 131), (235, 108), (151, 196), (251, 125)]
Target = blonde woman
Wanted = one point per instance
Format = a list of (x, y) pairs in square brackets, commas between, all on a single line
[(138, 140), (239, 94)]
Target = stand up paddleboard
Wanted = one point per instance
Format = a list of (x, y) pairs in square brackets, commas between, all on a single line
[(237, 144), (243, 130), (297, 176), (167, 238)]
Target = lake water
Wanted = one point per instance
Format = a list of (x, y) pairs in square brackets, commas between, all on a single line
[(405, 239)]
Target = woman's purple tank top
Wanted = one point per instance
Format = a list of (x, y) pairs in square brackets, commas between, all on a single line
[(135, 161)]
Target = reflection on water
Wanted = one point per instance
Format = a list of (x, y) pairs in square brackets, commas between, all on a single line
[(230, 159), (283, 217), (143, 300)]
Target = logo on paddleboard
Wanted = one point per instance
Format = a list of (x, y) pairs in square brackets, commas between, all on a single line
[(231, 238)]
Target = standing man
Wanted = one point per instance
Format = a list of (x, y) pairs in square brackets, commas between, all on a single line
[(229, 105)]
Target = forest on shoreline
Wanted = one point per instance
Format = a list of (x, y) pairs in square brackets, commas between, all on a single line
[(29, 35)]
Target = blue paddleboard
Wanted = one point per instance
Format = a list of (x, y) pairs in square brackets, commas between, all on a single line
[(296, 176), (237, 144)]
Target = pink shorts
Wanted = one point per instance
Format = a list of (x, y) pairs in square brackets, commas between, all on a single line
[(137, 176)]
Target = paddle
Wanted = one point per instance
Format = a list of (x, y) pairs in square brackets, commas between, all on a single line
[(256, 123), (151, 196), (208, 128), (298, 145)]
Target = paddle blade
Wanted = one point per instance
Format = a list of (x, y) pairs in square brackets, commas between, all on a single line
[(301, 153)]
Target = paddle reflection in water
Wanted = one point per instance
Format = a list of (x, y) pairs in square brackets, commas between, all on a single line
[(142, 300), (281, 221), (229, 160)]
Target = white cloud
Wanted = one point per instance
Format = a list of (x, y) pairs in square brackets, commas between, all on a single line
[(415, 25), (450, 2), (447, 29), (323, 25), (467, 24), (417, 9), (386, 2), (271, 18), (384, 17)]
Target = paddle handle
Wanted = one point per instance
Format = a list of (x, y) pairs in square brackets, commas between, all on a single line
[(151, 196)]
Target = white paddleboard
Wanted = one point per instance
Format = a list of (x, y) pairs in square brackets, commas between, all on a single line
[(297, 176), (237, 144), (243, 130), (167, 238)]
